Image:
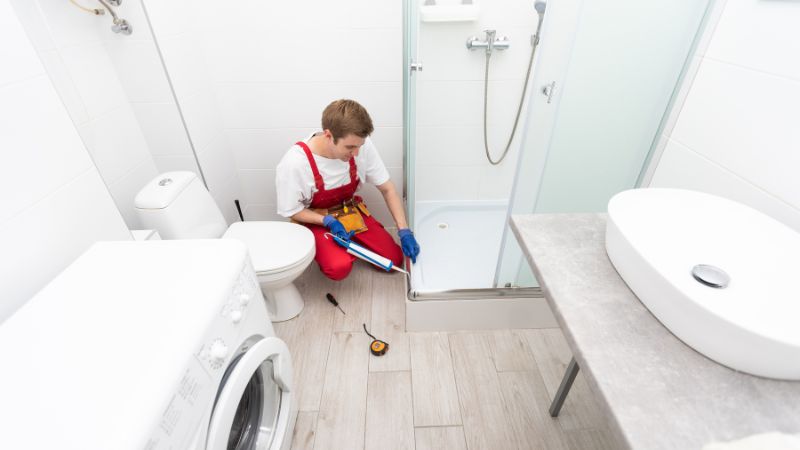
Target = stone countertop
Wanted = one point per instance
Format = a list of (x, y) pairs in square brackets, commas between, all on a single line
[(658, 392)]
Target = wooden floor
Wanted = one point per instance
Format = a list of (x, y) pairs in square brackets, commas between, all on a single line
[(455, 390)]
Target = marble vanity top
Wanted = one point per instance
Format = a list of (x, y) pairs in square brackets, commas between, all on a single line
[(658, 392)]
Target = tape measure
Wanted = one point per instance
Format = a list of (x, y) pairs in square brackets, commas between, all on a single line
[(377, 347)]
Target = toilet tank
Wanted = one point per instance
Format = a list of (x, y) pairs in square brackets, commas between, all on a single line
[(178, 206)]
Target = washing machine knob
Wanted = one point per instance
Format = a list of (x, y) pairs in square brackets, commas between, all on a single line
[(236, 316), (218, 351)]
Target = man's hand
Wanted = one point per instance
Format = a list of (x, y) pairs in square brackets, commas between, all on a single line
[(408, 243), (336, 227)]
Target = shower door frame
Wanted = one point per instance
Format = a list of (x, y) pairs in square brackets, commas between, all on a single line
[(410, 47)]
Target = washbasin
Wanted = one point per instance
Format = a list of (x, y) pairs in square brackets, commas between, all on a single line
[(721, 276)]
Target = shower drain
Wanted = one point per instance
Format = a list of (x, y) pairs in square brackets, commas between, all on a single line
[(442, 225)]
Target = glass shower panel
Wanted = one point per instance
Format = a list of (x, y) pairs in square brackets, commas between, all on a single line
[(618, 88), (626, 62), (460, 199)]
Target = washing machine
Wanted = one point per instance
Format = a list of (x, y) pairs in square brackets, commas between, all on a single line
[(147, 345)]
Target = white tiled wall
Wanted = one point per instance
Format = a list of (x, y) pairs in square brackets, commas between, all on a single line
[(266, 70), (737, 134), (450, 156), (115, 91), (178, 29), (54, 203)]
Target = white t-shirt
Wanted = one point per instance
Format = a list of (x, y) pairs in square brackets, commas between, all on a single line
[(294, 180)]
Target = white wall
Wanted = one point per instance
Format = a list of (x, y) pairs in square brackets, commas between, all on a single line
[(98, 74), (738, 132), (450, 156), (54, 202), (272, 67), (178, 30)]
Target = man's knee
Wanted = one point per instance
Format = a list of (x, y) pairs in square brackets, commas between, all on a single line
[(395, 254), (337, 269)]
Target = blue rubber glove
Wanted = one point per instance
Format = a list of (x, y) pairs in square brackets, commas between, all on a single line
[(336, 227), (408, 243)]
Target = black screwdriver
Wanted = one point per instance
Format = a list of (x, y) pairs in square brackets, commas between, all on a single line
[(335, 303)]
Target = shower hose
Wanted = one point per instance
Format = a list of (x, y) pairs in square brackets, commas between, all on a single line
[(521, 99)]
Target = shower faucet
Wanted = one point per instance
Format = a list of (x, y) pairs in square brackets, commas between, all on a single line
[(490, 43)]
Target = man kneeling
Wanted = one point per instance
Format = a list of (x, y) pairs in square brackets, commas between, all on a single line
[(316, 182)]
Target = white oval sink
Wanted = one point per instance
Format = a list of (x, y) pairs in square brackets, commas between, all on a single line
[(655, 237)]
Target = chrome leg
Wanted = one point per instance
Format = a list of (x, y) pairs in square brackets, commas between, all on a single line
[(563, 390)]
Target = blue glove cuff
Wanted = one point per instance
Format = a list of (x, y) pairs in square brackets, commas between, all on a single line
[(402, 232), (328, 220)]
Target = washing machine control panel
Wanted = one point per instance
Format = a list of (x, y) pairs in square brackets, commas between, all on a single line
[(222, 339)]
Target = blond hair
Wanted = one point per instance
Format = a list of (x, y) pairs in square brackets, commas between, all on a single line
[(343, 117)]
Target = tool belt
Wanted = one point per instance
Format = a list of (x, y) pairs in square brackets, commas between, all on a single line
[(349, 213)]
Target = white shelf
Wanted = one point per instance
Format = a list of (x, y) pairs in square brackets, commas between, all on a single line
[(448, 12)]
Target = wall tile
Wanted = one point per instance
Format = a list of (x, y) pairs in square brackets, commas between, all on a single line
[(94, 77), (258, 186), (244, 56), (299, 105), (185, 64), (32, 20), (41, 149), (69, 26), (389, 142), (263, 148), (115, 143), (173, 163), (216, 162), (681, 167), (163, 129), (50, 234), (202, 119), (62, 81), (20, 63), (432, 183), (759, 34), (752, 132), (171, 19), (357, 13), (462, 145), (497, 181), (262, 211), (225, 194), (458, 103), (139, 69)]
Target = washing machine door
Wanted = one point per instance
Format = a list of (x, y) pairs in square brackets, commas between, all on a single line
[(254, 402)]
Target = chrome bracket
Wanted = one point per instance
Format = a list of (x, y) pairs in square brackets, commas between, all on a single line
[(547, 90)]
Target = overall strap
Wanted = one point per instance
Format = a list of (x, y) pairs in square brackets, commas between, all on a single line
[(318, 182), (353, 170)]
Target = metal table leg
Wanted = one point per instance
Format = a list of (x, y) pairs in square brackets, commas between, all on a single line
[(563, 389)]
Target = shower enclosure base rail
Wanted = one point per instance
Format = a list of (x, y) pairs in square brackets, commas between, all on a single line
[(487, 293), (478, 309)]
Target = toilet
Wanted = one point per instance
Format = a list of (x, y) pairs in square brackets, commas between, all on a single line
[(178, 206)]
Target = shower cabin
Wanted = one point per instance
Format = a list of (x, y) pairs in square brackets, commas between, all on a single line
[(517, 106)]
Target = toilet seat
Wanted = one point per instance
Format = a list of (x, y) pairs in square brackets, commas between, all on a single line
[(274, 246)]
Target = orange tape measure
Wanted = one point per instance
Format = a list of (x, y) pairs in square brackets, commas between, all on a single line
[(377, 347)]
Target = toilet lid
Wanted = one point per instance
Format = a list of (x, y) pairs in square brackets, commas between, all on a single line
[(273, 246)]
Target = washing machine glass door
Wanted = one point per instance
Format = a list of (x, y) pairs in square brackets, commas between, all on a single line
[(253, 403)]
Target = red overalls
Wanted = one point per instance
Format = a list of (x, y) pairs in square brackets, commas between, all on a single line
[(333, 260)]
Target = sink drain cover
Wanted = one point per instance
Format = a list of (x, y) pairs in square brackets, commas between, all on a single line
[(711, 276), (442, 225)]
